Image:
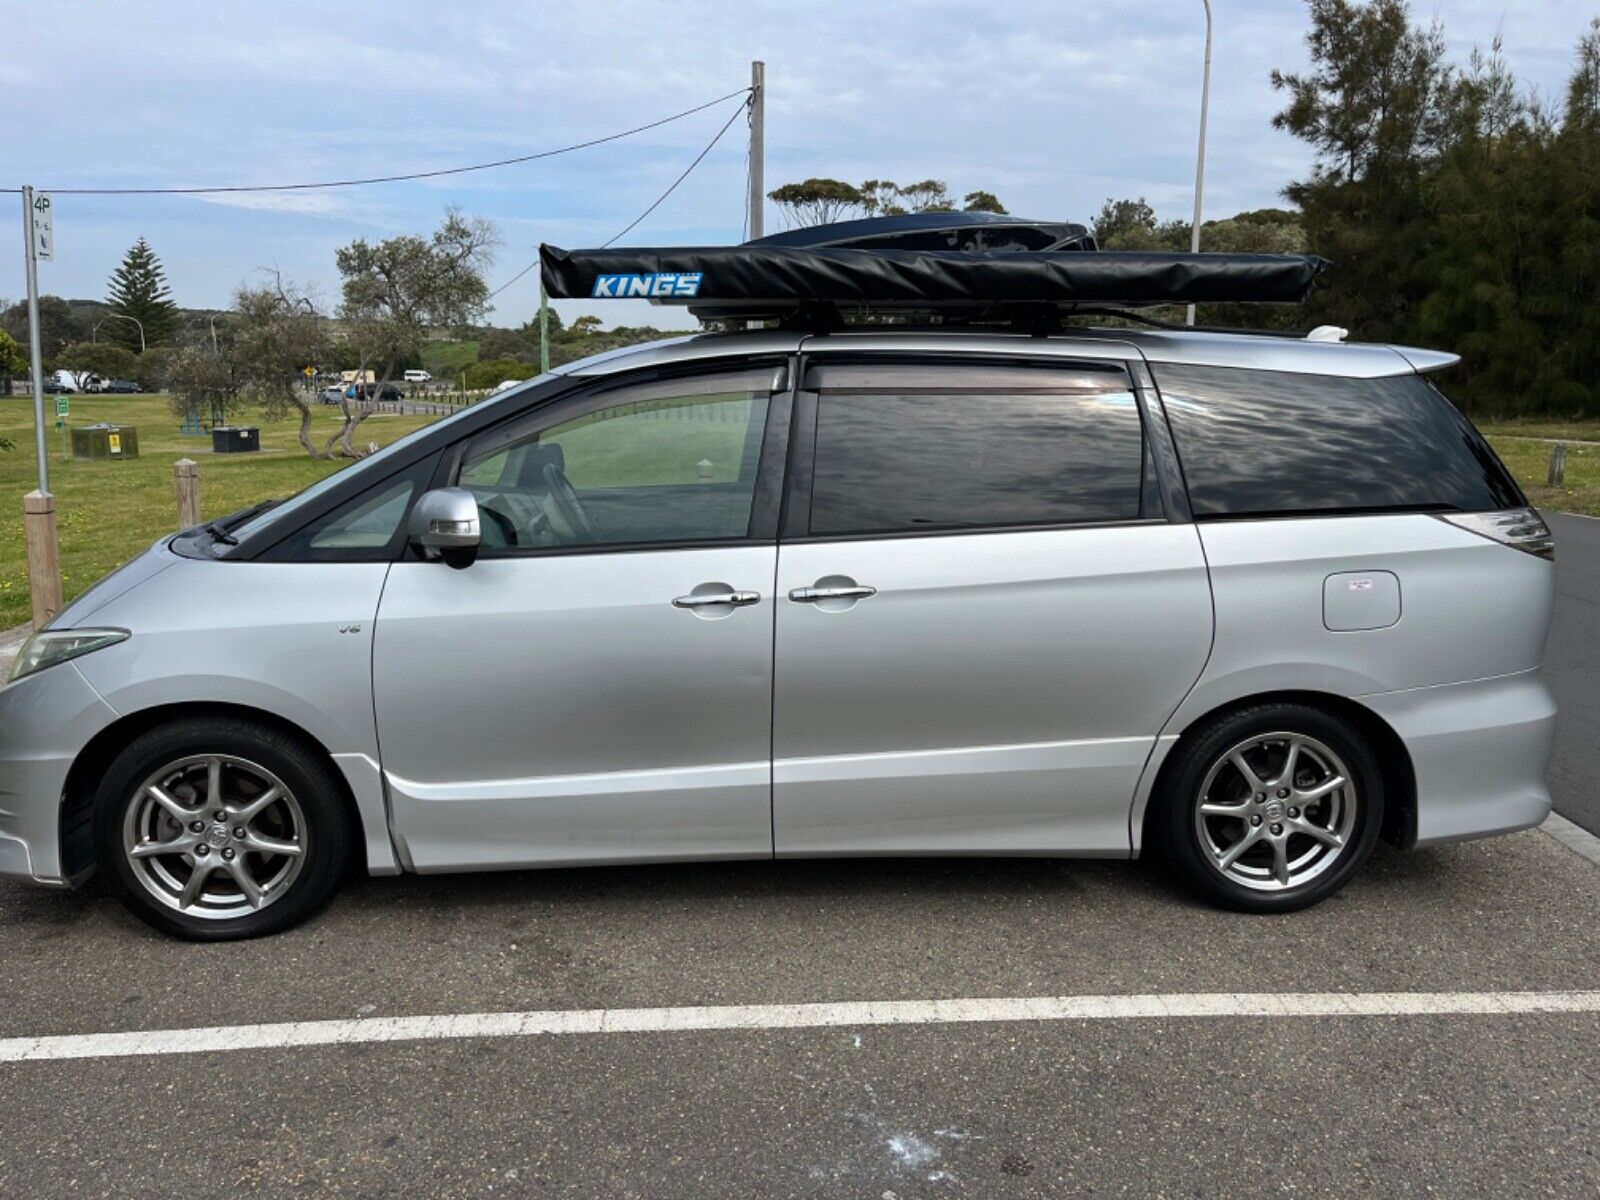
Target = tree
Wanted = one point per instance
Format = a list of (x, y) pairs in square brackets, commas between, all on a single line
[(138, 289), (84, 360), (981, 201), (816, 201), (587, 325), (58, 325), (12, 359), (1374, 109), (398, 289), (276, 333), (1120, 219)]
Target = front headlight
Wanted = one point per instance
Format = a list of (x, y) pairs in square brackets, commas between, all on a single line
[(52, 646)]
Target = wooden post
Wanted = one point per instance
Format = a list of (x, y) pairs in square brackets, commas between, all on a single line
[(1558, 464), (44, 555), (187, 475)]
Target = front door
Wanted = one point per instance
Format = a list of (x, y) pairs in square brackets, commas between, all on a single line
[(597, 687), (984, 618)]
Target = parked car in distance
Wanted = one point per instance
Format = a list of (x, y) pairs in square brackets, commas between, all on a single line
[(64, 381), (779, 594), (368, 391), (416, 376), (331, 395), (120, 386)]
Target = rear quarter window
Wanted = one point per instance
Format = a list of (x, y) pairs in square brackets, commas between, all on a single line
[(1265, 443)]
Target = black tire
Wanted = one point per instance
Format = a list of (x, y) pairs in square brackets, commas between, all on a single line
[(1177, 800), (306, 773)]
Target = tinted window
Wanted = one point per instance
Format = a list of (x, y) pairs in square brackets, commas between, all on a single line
[(660, 462), (946, 449), (1258, 442)]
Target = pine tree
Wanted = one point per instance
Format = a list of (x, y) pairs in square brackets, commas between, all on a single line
[(138, 289)]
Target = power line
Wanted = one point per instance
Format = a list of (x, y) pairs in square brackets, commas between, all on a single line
[(654, 205), (338, 183), (726, 126)]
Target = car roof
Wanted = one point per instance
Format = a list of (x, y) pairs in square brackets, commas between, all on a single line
[(1262, 352)]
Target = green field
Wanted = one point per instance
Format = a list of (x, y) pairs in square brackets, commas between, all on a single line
[(109, 511), (106, 512)]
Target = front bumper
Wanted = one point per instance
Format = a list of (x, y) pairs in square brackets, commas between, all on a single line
[(45, 721), (1479, 751)]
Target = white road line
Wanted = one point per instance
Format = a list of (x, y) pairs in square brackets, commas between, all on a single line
[(794, 1016)]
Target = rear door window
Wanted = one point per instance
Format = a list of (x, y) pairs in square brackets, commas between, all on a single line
[(906, 449), (1265, 443)]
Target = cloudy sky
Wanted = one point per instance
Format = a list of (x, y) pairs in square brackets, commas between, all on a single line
[(1054, 106)]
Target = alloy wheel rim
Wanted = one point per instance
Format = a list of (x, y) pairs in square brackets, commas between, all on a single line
[(1275, 811), (214, 836)]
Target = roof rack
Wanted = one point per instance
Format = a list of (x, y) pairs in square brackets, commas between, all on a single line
[(814, 277)]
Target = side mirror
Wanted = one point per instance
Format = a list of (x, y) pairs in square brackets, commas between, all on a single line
[(444, 525)]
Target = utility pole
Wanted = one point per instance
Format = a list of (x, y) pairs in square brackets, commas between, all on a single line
[(544, 327), (758, 116), (1200, 161), (39, 506)]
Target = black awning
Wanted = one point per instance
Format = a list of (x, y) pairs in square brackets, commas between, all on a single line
[(766, 280)]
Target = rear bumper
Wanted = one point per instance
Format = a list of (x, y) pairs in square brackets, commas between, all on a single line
[(45, 720), (1479, 751)]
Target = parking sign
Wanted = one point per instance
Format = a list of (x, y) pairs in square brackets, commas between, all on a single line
[(44, 228)]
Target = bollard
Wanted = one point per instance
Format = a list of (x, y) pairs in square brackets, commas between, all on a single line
[(44, 555), (1558, 465), (186, 474)]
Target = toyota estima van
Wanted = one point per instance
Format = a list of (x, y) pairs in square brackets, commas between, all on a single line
[(1254, 602)]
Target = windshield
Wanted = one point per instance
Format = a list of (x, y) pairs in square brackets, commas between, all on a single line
[(300, 500)]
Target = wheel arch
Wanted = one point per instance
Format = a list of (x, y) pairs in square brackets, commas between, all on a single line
[(77, 797), (1394, 760)]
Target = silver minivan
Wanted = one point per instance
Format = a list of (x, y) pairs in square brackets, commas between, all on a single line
[(1252, 602)]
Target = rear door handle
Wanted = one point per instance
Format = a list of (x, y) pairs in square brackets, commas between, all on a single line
[(709, 599), (809, 595)]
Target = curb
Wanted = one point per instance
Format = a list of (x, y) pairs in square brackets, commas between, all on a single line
[(1574, 837)]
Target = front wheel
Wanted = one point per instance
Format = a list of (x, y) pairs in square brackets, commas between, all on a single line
[(1272, 808), (215, 829)]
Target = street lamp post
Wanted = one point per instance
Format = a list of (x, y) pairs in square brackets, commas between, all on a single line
[(94, 333), (1200, 160)]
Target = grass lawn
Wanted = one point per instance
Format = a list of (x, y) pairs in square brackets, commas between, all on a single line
[(107, 512), (1525, 448)]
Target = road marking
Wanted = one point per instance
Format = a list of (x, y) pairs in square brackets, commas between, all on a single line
[(1574, 837), (1173, 1005)]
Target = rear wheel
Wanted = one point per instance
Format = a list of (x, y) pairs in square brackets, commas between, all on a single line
[(216, 829), (1271, 808)]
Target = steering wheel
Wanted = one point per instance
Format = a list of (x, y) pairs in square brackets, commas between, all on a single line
[(565, 497)]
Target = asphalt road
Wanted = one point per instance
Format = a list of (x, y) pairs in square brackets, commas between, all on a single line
[(1394, 1105), (1572, 668)]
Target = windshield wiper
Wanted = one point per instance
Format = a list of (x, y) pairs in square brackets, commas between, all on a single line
[(219, 528)]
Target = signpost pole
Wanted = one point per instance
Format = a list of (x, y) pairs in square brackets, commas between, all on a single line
[(39, 506)]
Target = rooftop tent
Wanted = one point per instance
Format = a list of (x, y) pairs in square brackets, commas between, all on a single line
[(938, 231), (889, 265)]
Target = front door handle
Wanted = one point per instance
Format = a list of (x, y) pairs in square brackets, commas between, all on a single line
[(711, 599), (810, 595)]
